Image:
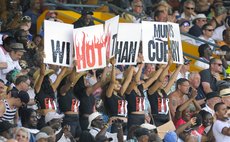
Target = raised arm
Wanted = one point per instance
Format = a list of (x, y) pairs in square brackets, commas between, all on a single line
[(127, 80), (109, 91), (172, 79), (153, 78), (37, 86), (60, 76)]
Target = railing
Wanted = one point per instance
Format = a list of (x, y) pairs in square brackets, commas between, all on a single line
[(65, 6)]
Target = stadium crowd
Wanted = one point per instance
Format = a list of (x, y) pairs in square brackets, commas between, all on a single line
[(146, 103)]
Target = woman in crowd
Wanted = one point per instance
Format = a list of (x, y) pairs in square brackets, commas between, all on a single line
[(114, 100), (22, 135), (45, 91), (69, 104), (157, 95)]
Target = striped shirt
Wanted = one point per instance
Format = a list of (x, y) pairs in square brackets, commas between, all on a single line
[(9, 113)]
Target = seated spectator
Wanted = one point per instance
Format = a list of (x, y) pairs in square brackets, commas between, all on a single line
[(221, 126), (184, 27), (220, 15), (188, 13), (198, 22), (6, 130), (137, 8), (85, 19), (22, 135), (160, 16), (209, 77), (225, 96), (207, 32), (218, 32), (25, 24), (212, 98), (42, 137), (205, 53), (207, 122)]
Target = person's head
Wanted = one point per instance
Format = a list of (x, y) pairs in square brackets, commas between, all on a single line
[(184, 25), (42, 137), (186, 114), (35, 4), (215, 65), (207, 30), (22, 83), (54, 120), (226, 36), (212, 98), (12, 4), (189, 7), (17, 51), (87, 17), (194, 79), (149, 68), (182, 85), (220, 11), (142, 134), (95, 120), (207, 119), (226, 49), (22, 135), (221, 111), (200, 20), (205, 50), (12, 76), (225, 96), (137, 6), (25, 23), (29, 118), (50, 132), (160, 16), (20, 98), (21, 36), (7, 41), (6, 129), (37, 39)]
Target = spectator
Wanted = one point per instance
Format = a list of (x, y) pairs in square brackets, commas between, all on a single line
[(22, 135), (86, 19), (221, 126), (184, 28), (13, 58), (220, 15), (22, 83), (188, 14), (225, 96), (6, 130), (25, 24), (207, 122), (207, 32), (184, 72), (218, 32), (137, 8), (205, 53), (160, 16), (199, 21), (194, 80), (212, 98), (42, 137), (8, 107), (210, 76), (33, 12), (179, 96)]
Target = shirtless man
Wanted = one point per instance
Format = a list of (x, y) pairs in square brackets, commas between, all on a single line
[(179, 96)]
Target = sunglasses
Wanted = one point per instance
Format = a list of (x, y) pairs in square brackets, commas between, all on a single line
[(190, 8), (27, 18), (210, 30), (138, 5)]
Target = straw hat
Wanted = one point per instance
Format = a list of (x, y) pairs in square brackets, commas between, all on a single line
[(36, 75)]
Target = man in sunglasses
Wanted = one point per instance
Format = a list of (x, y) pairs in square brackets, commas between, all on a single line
[(188, 13), (209, 77)]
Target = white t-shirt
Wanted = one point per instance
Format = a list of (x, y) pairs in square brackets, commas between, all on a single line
[(217, 129), (201, 64), (218, 33)]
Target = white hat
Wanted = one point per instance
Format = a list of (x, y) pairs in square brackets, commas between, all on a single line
[(92, 117), (200, 16), (225, 92), (148, 126), (53, 115), (41, 135)]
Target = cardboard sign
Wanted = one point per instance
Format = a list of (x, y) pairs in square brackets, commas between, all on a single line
[(90, 47), (128, 42), (157, 38), (111, 30), (58, 43), (175, 43)]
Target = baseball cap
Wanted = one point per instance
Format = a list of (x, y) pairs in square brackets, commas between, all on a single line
[(200, 16), (211, 95), (41, 135), (53, 115), (183, 22), (5, 125), (92, 117)]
